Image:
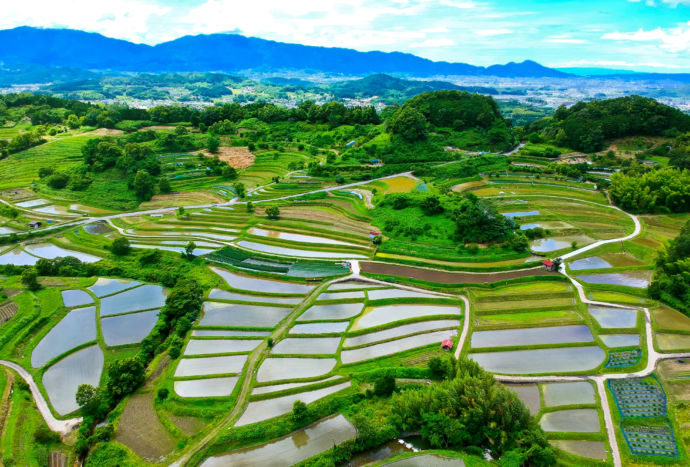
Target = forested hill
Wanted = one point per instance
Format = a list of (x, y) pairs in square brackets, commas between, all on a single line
[(586, 125), (225, 52)]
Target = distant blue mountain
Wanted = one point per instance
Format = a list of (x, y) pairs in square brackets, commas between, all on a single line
[(227, 53)]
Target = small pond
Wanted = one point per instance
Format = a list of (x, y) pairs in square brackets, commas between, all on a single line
[(275, 369), (62, 380), (400, 331), (620, 340), (290, 449), (635, 279), (128, 329), (258, 411), (572, 421), (76, 298), (76, 328), (226, 364), (556, 394), (254, 284), (378, 316), (107, 286), (142, 298), (558, 360), (614, 317), (307, 346), (396, 346), (224, 314), (207, 387), (339, 311), (532, 336)]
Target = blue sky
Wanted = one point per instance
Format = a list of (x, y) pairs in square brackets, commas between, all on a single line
[(650, 35)]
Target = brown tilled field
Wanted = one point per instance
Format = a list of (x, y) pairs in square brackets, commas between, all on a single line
[(237, 157), (446, 277), (141, 431)]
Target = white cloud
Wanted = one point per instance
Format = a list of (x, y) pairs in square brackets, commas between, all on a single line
[(672, 3), (125, 19), (565, 40), (441, 42), (461, 5), (614, 63), (672, 39), (493, 32)]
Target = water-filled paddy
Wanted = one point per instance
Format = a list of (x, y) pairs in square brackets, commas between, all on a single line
[(275, 369), (532, 336), (62, 380), (529, 394), (142, 298), (341, 295), (290, 449), (545, 245), (352, 285), (320, 328), (107, 286), (558, 360), (128, 329), (76, 298), (258, 411), (378, 316), (32, 203), (50, 251), (207, 387), (294, 252), (55, 209), (255, 284), (76, 328), (223, 314), (396, 346), (6, 230), (424, 460), (307, 346), (211, 346), (635, 279), (614, 317), (217, 294), (228, 333), (18, 258), (339, 311), (286, 386), (400, 331), (556, 394), (593, 262), (177, 249), (512, 215), (590, 449), (574, 421), (296, 237), (398, 293), (226, 364), (620, 340)]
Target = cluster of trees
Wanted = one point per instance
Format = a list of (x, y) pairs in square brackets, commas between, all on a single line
[(478, 221), (21, 142), (663, 190), (455, 110), (469, 410), (671, 279), (586, 125), (124, 376)]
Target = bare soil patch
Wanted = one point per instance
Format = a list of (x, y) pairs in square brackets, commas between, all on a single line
[(237, 157), (157, 127), (104, 132), (180, 199), (141, 431), (447, 277), (189, 425), (17, 194)]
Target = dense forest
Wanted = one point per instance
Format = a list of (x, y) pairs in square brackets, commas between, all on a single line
[(586, 125), (672, 275), (663, 190)]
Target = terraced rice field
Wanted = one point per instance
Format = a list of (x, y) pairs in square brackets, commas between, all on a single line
[(62, 380), (76, 328)]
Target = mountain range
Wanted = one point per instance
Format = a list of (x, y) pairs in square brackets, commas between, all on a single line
[(78, 50)]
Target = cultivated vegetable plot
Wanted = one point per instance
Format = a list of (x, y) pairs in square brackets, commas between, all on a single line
[(651, 440), (637, 397), (623, 358)]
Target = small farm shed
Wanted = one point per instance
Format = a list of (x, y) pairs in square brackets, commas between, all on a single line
[(548, 265), (34, 224), (447, 345)]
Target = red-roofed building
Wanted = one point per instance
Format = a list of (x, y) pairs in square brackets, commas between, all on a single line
[(548, 264), (447, 345)]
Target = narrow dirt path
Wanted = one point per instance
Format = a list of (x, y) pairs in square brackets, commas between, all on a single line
[(63, 427)]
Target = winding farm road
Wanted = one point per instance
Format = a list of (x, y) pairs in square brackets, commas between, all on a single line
[(64, 427)]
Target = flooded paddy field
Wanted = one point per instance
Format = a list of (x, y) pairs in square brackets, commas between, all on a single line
[(378, 316), (334, 312), (400, 331), (232, 315), (76, 328), (392, 347), (532, 336), (254, 284), (62, 380), (558, 360), (141, 298), (207, 387), (276, 369), (204, 366), (307, 346), (128, 329)]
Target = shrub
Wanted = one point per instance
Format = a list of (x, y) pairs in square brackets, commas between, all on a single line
[(58, 181), (120, 246)]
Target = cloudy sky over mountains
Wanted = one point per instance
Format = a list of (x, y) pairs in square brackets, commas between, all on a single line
[(650, 35)]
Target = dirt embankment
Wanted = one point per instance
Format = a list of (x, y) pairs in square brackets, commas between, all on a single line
[(447, 277), (237, 157)]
